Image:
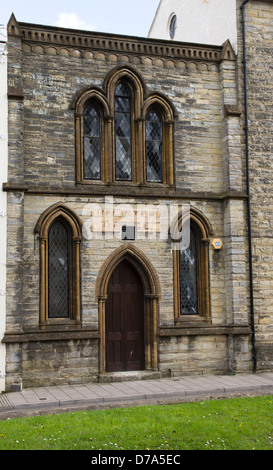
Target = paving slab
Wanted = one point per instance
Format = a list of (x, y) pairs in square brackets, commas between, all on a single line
[(44, 400)]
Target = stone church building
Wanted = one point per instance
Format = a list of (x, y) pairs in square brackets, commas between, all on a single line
[(139, 200)]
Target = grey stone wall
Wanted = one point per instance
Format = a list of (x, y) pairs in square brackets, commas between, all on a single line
[(209, 174), (258, 24)]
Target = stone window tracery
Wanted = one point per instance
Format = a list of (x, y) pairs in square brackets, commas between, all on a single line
[(124, 135), (59, 230), (191, 270)]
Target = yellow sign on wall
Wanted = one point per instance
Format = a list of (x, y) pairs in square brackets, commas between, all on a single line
[(217, 244)]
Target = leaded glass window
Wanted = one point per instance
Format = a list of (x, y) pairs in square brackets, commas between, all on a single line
[(153, 146), (91, 143), (123, 144), (58, 271), (188, 278)]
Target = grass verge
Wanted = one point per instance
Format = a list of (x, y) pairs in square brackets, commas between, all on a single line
[(231, 424)]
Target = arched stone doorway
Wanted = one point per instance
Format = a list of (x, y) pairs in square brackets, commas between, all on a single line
[(143, 282), (124, 320)]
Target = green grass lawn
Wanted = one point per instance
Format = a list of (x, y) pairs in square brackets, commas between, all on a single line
[(231, 424)]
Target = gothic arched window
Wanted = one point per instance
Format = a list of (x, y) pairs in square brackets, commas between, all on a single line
[(123, 133), (188, 276), (58, 270), (59, 230), (191, 269), (91, 142), (153, 146)]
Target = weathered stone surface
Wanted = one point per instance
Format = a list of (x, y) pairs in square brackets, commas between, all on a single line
[(259, 17), (205, 88)]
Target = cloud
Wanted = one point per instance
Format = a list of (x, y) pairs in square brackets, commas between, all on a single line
[(72, 21)]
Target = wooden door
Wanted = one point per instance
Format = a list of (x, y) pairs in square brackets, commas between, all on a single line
[(124, 320)]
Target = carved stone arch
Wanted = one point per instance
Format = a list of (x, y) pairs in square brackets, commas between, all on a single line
[(163, 103), (197, 217), (138, 91), (133, 78), (90, 93), (204, 231), (72, 222), (109, 156), (152, 295), (144, 267), (59, 210)]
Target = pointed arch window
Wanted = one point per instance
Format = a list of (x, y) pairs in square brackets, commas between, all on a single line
[(188, 277), (123, 132), (153, 146), (191, 270), (58, 270), (91, 142), (59, 230)]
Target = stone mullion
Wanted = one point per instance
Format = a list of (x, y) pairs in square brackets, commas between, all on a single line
[(168, 154), (79, 156), (108, 155), (140, 151)]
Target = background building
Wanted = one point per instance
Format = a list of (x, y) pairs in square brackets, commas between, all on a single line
[(197, 21)]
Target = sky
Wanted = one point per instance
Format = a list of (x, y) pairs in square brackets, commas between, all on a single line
[(128, 17)]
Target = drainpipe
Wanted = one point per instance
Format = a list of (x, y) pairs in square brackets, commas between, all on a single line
[(248, 192)]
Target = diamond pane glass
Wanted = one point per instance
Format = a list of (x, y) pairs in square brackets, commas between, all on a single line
[(58, 272), (122, 104), (123, 132), (123, 90), (188, 278), (153, 147), (91, 143)]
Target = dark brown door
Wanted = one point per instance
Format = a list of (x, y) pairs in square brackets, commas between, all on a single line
[(124, 320)]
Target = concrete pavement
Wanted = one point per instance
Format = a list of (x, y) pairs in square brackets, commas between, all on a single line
[(59, 399)]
